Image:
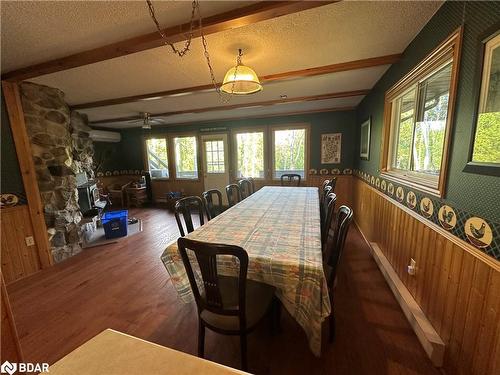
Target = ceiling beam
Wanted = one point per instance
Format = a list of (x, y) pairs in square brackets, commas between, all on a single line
[(334, 95), (326, 69), (235, 18)]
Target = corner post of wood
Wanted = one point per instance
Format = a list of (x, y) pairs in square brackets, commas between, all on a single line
[(26, 165)]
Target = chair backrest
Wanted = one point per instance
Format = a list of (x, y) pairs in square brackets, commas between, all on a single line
[(326, 190), (233, 194), (329, 209), (185, 207), (333, 183), (245, 188), (211, 298), (213, 209), (252, 182), (335, 242), (289, 179)]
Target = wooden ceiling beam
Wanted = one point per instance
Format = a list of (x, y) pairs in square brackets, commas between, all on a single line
[(235, 18), (335, 95), (333, 68)]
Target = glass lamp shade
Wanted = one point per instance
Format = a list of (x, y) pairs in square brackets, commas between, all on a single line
[(245, 82)]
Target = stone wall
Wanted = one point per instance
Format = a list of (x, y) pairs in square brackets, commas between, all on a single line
[(61, 148)]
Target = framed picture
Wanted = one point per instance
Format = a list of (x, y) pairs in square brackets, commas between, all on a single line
[(330, 148), (484, 149), (364, 148)]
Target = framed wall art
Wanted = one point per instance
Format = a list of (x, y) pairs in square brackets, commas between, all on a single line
[(364, 148), (331, 148)]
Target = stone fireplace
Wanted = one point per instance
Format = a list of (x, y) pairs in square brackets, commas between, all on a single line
[(61, 148)]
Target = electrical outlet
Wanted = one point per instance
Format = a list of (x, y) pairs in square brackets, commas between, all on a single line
[(30, 241), (412, 268)]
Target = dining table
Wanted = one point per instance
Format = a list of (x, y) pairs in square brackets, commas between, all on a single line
[(279, 228)]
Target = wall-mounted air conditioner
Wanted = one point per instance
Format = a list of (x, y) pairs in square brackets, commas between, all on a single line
[(105, 136)]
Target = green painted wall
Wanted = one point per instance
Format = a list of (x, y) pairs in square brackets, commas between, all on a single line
[(128, 153), (474, 193), (11, 181)]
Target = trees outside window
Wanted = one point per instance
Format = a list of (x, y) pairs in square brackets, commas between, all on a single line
[(289, 152), (250, 154), (186, 157), (157, 154)]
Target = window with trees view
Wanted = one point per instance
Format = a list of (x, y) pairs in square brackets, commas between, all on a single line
[(157, 157), (289, 152), (250, 154), (419, 109), (186, 157)]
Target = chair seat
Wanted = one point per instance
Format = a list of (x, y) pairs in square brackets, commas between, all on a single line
[(258, 299)]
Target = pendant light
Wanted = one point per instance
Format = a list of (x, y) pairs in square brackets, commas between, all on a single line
[(241, 79)]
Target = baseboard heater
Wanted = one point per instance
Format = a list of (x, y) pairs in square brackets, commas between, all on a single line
[(427, 335)]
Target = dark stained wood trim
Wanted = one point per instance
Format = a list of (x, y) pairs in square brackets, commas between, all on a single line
[(327, 69), (27, 167), (335, 95), (235, 18)]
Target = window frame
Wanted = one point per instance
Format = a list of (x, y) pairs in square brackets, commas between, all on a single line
[(483, 168), (146, 158), (234, 151), (431, 64), (171, 137), (272, 129)]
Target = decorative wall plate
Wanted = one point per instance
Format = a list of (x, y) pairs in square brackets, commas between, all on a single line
[(335, 171), (116, 173), (478, 232), (347, 171), (8, 200), (426, 207), (137, 171), (377, 183), (108, 173), (383, 185), (313, 171), (411, 199), (324, 171), (100, 174), (400, 194), (372, 180), (390, 188), (447, 217), (123, 172)]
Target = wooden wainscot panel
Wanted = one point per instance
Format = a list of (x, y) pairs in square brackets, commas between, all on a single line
[(18, 259), (456, 285)]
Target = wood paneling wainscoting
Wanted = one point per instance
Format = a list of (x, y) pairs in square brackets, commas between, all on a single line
[(18, 259), (456, 285)]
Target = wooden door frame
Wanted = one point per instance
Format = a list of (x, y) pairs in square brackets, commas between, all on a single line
[(22, 144)]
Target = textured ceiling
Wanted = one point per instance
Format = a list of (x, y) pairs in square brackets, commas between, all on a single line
[(335, 33)]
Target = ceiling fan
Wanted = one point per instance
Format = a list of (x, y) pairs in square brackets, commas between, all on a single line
[(147, 120)]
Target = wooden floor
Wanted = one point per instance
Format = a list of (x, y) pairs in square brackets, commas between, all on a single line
[(124, 286)]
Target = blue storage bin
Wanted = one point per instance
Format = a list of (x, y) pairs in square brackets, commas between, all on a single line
[(115, 224)]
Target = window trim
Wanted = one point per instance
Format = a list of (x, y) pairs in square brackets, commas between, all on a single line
[(146, 159), (431, 63), (483, 168), (234, 156), (171, 137), (292, 126)]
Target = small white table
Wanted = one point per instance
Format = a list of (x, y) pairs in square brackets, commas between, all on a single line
[(112, 352)]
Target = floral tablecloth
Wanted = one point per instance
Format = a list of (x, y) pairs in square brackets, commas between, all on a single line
[(279, 227)]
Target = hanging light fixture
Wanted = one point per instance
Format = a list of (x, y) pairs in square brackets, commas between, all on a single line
[(241, 79)]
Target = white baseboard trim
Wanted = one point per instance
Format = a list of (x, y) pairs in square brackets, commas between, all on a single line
[(426, 334)]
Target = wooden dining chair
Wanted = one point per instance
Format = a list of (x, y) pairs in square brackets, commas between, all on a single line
[(252, 182), (322, 208), (333, 183), (329, 210), (186, 207), (290, 179), (212, 207), (331, 257), (245, 188), (233, 194), (227, 305)]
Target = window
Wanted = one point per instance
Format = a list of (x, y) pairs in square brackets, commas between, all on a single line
[(157, 157), (250, 154), (186, 157), (289, 152), (419, 112), (486, 142), (214, 150)]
